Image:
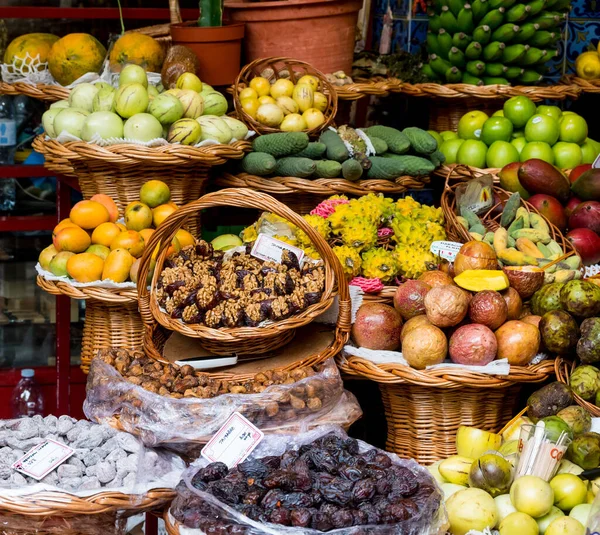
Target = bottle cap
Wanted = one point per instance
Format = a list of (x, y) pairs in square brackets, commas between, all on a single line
[(27, 372)]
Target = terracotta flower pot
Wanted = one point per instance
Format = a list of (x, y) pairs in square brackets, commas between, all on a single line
[(319, 32), (218, 49)]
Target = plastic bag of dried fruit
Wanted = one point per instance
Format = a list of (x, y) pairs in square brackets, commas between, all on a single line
[(100, 524), (320, 481), (180, 408)]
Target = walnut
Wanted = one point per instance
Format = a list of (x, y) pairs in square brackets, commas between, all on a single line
[(136, 370), (272, 409), (135, 380), (298, 374), (297, 403), (187, 370), (151, 386), (314, 404), (237, 390)]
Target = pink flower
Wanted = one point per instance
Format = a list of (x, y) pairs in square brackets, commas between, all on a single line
[(327, 207), (369, 286), (384, 232)]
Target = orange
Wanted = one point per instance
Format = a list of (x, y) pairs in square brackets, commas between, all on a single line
[(185, 238), (105, 233), (63, 224), (131, 241), (89, 214), (160, 213), (138, 216), (73, 239), (109, 204), (117, 265), (85, 267)]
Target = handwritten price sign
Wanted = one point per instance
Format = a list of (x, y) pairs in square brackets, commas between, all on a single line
[(446, 249)]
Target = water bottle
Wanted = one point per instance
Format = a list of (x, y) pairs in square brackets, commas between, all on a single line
[(27, 398), (8, 143)]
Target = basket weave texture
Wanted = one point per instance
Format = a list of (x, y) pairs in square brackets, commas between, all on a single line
[(586, 86), (491, 92), (563, 369), (295, 69), (240, 340), (112, 318), (45, 92)]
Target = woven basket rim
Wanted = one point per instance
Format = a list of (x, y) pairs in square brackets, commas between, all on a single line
[(248, 70), (587, 86), (320, 186), (45, 92), (563, 369), (460, 91), (107, 295), (171, 155), (57, 503), (456, 171), (240, 198)]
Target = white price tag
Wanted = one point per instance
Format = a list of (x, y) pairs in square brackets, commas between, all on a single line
[(270, 249), (596, 163), (40, 460), (233, 442), (446, 249)]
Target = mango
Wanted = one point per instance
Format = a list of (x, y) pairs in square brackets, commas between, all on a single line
[(512, 257), (525, 245), (46, 256), (478, 280), (85, 267), (587, 186), (537, 176), (58, 264), (73, 239), (117, 265)]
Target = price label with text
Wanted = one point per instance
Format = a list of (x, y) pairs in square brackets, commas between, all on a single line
[(233, 442), (596, 163), (270, 249), (40, 460), (446, 249)]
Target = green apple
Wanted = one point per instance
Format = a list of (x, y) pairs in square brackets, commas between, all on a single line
[(501, 153), (552, 111), (447, 134), (472, 152), (519, 143), (519, 110), (449, 149), (470, 124), (573, 129), (499, 113), (539, 150), (518, 133), (542, 128), (496, 129), (436, 136), (567, 155), (589, 151)]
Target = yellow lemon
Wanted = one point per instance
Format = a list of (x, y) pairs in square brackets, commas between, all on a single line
[(320, 101), (282, 88), (247, 92), (311, 80), (250, 106), (587, 66), (313, 117), (294, 122), (265, 99), (260, 85)]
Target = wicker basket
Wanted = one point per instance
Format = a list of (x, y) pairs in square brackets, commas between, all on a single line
[(491, 221), (451, 101), (45, 92), (303, 194), (296, 69), (239, 340), (111, 317), (586, 86), (424, 408), (563, 369)]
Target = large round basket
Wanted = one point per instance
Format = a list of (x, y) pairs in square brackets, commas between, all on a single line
[(279, 67), (586, 86), (563, 369), (111, 317), (120, 170), (302, 194), (238, 340), (424, 408), (45, 92), (451, 101)]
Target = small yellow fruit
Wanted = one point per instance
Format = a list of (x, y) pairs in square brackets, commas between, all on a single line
[(266, 100), (304, 96), (188, 80), (282, 88), (288, 105), (313, 117), (587, 66), (311, 80), (185, 238), (250, 106), (320, 101), (294, 122), (269, 115), (247, 92), (260, 85)]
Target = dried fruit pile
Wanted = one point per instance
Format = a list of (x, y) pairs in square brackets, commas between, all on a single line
[(201, 285), (327, 484)]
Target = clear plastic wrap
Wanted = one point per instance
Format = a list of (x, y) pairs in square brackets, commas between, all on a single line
[(104, 459), (198, 511), (102, 524), (178, 423)]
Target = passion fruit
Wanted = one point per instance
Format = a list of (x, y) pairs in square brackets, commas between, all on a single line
[(525, 279), (513, 302), (409, 298), (446, 306), (413, 323), (518, 342), (424, 346), (436, 278), (473, 345), (377, 326), (488, 308)]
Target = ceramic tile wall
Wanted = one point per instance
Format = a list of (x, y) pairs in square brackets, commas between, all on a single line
[(582, 28)]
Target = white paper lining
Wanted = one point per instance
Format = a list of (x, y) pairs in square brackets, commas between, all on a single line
[(590, 271), (106, 283)]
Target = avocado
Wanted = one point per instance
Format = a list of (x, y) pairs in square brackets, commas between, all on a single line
[(547, 298), (580, 298), (588, 347), (559, 332), (548, 401)]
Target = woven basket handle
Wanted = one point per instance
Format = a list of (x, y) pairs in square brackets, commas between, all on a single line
[(174, 11), (239, 198)]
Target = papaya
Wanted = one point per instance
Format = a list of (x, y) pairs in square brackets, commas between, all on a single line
[(587, 186), (35, 44), (75, 55), (137, 48)]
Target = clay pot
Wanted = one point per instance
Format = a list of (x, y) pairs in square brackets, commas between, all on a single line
[(219, 49), (319, 32)]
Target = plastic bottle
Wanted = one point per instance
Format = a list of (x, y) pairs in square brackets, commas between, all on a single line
[(27, 398), (8, 143)]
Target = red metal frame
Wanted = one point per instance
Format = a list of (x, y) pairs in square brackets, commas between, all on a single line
[(86, 13)]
